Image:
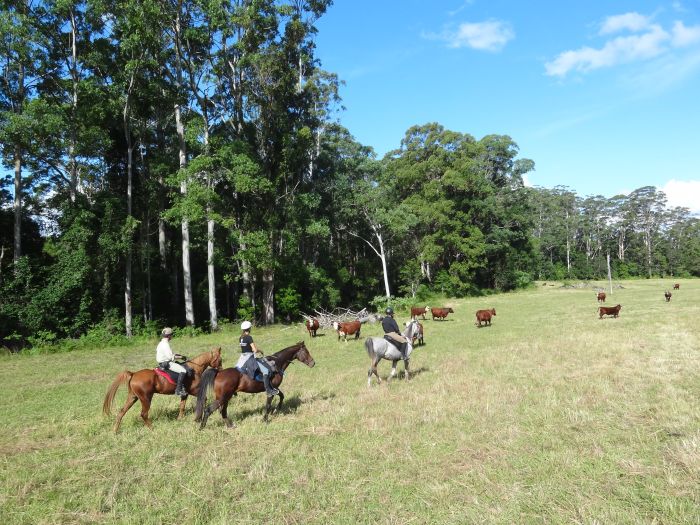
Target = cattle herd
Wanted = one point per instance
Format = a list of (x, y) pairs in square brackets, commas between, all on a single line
[(483, 318)]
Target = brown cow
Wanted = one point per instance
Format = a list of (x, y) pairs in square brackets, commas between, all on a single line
[(484, 316), (668, 295), (419, 334), (676, 286), (609, 310), (441, 313), (416, 311), (601, 297), (312, 326), (347, 328)]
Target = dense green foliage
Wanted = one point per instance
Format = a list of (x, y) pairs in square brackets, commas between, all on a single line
[(160, 147)]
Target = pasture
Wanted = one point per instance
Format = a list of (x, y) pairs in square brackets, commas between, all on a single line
[(550, 415)]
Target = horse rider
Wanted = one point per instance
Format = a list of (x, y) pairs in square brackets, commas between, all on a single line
[(392, 333), (166, 360), (248, 350)]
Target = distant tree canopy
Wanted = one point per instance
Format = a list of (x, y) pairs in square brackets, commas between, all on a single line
[(183, 162)]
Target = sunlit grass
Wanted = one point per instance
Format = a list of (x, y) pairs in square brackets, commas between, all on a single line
[(548, 416)]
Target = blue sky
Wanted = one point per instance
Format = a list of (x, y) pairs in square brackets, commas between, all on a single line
[(603, 96)]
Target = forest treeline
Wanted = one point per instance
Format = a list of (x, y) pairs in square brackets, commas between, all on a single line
[(183, 162)]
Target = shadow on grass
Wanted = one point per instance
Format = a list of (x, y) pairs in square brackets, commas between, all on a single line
[(290, 406)]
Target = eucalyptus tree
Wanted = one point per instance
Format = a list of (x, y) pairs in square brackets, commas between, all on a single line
[(21, 56), (649, 206)]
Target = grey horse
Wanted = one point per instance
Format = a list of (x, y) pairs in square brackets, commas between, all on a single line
[(379, 348)]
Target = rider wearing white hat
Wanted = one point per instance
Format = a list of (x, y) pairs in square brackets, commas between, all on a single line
[(248, 350), (166, 360)]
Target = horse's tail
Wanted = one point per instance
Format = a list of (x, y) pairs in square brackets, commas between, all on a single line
[(369, 346), (206, 383), (122, 377)]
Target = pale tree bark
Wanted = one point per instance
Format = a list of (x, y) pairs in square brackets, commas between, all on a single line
[(268, 297), (73, 140), (381, 253), (18, 205), (129, 189), (186, 269)]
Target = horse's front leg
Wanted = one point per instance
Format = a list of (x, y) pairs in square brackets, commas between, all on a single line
[(405, 369), (393, 370), (268, 409), (279, 405)]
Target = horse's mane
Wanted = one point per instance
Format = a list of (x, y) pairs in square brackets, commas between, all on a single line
[(277, 355)]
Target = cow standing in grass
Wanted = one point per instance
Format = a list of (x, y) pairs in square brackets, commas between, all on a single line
[(601, 297), (416, 311), (441, 313), (484, 316), (609, 310)]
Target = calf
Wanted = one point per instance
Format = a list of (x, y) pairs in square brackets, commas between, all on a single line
[(667, 295), (601, 297), (416, 311), (609, 310), (441, 313), (676, 286), (312, 326), (484, 316), (348, 328)]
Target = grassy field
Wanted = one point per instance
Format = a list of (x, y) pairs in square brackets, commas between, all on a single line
[(548, 416)]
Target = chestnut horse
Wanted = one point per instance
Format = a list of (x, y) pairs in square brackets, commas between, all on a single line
[(228, 382), (144, 383)]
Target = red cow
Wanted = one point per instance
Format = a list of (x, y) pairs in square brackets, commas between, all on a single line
[(609, 310), (667, 295), (484, 316), (676, 286), (312, 326), (418, 336), (416, 311), (601, 297), (348, 328), (441, 313)]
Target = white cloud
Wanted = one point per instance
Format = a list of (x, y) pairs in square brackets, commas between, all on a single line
[(486, 36), (629, 21), (684, 193), (619, 50), (491, 35), (648, 41), (685, 36)]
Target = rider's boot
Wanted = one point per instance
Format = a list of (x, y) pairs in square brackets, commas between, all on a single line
[(180, 389), (271, 391), (403, 350)]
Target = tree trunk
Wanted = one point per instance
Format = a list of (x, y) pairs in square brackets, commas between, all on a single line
[(186, 270), (382, 256), (609, 273), (268, 296), (127, 283), (72, 146), (18, 204), (211, 278)]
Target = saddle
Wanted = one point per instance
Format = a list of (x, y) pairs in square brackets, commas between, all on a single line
[(252, 370), (171, 377), (393, 342)]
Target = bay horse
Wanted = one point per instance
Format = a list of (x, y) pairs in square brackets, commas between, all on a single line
[(379, 348), (144, 383), (228, 382)]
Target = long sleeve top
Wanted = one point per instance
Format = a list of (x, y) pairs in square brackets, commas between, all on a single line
[(164, 352)]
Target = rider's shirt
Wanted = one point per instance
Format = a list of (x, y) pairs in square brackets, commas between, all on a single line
[(246, 341), (389, 325), (163, 351)]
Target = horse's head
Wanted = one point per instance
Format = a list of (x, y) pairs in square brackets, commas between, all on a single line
[(215, 358), (411, 329), (303, 355)]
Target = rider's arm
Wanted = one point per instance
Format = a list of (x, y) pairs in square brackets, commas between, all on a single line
[(254, 347)]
